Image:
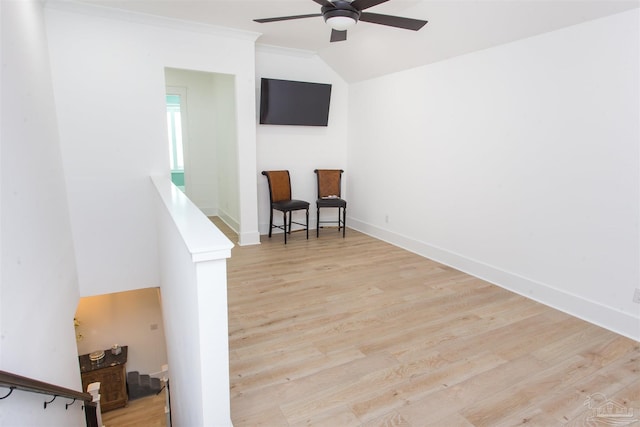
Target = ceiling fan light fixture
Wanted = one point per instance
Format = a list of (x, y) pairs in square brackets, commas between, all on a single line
[(341, 16), (341, 23)]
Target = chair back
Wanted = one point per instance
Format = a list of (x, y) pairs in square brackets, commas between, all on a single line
[(279, 185), (329, 182)]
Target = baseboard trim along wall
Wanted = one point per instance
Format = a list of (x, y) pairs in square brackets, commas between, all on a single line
[(607, 317), (244, 238), (227, 219)]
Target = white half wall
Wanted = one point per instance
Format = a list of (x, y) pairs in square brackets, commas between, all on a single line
[(194, 301), (108, 77), (518, 164), (300, 149), (38, 281)]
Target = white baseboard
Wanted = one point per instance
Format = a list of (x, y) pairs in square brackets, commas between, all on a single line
[(227, 219), (244, 238), (575, 305), (209, 211)]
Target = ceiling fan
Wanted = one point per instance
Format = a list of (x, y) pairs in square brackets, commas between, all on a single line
[(343, 14)]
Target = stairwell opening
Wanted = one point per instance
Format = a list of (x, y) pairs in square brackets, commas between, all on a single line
[(132, 319)]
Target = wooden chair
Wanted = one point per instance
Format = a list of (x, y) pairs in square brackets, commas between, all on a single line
[(280, 199), (329, 196)]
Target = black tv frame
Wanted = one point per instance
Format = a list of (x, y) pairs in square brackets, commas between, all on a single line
[(294, 103)]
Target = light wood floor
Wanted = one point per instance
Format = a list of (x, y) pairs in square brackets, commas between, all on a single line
[(143, 412), (356, 332)]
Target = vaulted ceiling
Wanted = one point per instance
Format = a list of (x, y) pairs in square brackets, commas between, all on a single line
[(455, 27)]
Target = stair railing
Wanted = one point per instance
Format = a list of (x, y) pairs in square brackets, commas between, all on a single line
[(167, 393), (17, 382)]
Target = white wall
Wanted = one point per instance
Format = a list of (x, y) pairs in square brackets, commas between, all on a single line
[(38, 285), (108, 75), (132, 318), (227, 151), (518, 164), (300, 149)]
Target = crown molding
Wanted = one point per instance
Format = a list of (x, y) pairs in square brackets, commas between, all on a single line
[(147, 19), (267, 48)]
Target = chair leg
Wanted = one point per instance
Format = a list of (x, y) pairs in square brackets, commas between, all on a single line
[(270, 222), (344, 221), (284, 218), (317, 222), (307, 223)]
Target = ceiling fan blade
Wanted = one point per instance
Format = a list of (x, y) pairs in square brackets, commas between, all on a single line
[(393, 21), (338, 36), (324, 2), (286, 18), (366, 4)]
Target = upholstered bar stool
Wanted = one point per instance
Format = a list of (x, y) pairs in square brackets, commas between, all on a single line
[(280, 199), (329, 196)]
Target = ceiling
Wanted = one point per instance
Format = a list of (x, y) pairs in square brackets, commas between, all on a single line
[(455, 27)]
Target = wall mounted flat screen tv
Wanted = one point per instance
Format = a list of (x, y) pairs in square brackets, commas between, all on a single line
[(287, 102)]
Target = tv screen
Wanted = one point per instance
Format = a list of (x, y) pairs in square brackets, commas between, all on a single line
[(286, 102)]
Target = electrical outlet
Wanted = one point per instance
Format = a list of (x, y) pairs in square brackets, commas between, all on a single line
[(636, 296)]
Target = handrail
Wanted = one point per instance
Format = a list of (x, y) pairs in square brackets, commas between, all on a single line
[(17, 382)]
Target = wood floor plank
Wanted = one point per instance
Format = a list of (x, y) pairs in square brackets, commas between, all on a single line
[(340, 416), (450, 400), (392, 419), (144, 412), (423, 378), (357, 332), (518, 402)]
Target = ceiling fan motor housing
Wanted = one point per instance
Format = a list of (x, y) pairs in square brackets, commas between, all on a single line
[(340, 8)]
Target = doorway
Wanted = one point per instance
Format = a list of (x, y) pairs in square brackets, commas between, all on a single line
[(207, 109), (176, 114)]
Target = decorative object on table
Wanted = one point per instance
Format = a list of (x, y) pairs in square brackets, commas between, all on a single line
[(76, 325), (109, 370), (96, 356)]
